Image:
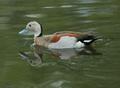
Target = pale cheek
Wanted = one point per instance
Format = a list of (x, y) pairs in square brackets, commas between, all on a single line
[(31, 29)]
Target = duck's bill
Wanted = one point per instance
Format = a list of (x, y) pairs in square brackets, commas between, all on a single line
[(26, 32)]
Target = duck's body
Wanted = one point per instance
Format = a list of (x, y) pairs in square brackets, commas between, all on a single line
[(64, 39), (59, 40)]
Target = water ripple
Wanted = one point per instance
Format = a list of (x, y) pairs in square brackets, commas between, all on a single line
[(34, 15), (88, 1)]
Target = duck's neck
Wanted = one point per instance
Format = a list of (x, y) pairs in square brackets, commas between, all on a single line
[(39, 32)]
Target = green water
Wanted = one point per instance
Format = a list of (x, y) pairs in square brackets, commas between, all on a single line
[(85, 71)]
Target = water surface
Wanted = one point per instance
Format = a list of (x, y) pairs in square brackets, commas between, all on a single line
[(93, 71)]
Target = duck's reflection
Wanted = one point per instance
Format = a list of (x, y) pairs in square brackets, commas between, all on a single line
[(35, 57)]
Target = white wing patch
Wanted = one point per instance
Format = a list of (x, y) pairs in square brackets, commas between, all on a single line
[(87, 41)]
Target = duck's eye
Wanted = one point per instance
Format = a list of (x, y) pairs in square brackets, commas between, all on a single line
[(29, 25)]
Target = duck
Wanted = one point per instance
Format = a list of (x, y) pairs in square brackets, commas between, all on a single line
[(58, 40)]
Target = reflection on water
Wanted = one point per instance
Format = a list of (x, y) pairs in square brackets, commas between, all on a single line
[(35, 57), (84, 69)]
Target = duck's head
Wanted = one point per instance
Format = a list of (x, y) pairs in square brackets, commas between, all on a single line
[(32, 28)]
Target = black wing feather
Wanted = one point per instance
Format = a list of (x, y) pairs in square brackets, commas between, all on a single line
[(87, 39)]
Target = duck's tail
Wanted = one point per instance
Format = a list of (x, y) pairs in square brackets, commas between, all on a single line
[(87, 39)]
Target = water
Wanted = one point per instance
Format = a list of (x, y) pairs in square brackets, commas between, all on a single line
[(83, 71)]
